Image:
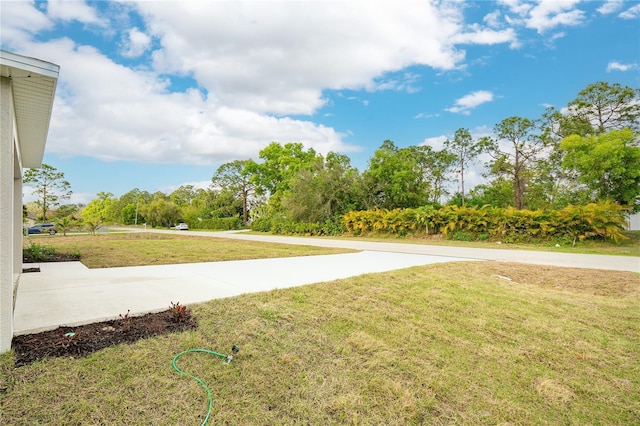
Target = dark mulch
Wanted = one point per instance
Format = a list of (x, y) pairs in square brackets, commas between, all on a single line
[(28, 257), (90, 338)]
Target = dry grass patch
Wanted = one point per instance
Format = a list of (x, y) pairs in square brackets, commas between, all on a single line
[(576, 280), (553, 391), (440, 344)]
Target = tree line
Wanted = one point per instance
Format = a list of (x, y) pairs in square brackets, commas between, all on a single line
[(587, 152)]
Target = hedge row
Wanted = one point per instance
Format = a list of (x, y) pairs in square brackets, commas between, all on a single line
[(599, 220), (221, 223), (283, 226)]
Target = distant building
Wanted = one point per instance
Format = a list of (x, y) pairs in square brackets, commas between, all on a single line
[(27, 89), (634, 222)]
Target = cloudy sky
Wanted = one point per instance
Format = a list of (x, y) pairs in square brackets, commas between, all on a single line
[(156, 94)]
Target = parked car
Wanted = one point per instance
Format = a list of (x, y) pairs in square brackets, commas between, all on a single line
[(42, 228), (182, 227)]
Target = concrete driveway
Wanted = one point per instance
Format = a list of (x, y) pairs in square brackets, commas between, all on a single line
[(68, 293), (71, 294)]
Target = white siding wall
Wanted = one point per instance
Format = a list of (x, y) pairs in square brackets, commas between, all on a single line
[(634, 222), (7, 165)]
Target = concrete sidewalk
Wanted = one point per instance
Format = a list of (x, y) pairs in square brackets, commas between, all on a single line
[(70, 294)]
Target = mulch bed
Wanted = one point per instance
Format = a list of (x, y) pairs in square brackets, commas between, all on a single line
[(84, 340)]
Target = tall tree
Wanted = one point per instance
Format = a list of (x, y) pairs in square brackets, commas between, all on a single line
[(183, 196), (238, 178), (101, 210), (514, 153), (161, 212), (50, 187), (129, 205), (432, 167), (396, 177), (606, 107), (331, 188), (608, 164), (280, 164), (466, 150)]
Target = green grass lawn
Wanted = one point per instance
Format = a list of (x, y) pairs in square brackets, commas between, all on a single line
[(453, 343), (137, 249)]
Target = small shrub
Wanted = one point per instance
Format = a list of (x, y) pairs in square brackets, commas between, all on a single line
[(462, 236), (76, 253), (218, 223), (126, 320), (35, 252), (178, 312)]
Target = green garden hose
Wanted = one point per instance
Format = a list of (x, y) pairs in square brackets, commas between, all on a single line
[(229, 358)]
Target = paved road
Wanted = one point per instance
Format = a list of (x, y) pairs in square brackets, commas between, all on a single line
[(592, 261)]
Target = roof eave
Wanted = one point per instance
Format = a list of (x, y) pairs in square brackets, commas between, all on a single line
[(34, 84)]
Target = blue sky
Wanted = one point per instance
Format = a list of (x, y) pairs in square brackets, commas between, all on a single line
[(157, 94)]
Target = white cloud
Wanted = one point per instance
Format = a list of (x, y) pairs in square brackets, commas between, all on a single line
[(279, 59), (257, 65), (549, 14), (73, 10), (425, 115), (205, 184), (403, 83), (631, 13), (493, 19), (479, 35), (550, 41), (617, 66), (543, 15), (135, 43), (610, 6), (436, 142), (518, 7), (19, 21), (465, 104)]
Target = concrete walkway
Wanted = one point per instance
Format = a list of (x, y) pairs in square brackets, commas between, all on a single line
[(70, 294)]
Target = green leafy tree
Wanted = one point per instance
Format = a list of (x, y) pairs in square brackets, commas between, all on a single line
[(323, 193), (608, 164), (226, 204), (604, 107), (465, 150), (238, 177), (50, 187), (161, 212), (398, 178), (514, 154), (67, 210), (183, 196), (101, 210), (597, 109), (498, 193), (65, 223), (129, 206), (280, 164)]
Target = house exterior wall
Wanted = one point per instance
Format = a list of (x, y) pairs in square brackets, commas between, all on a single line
[(8, 274), (17, 219)]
